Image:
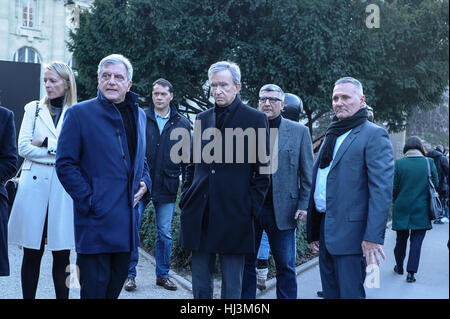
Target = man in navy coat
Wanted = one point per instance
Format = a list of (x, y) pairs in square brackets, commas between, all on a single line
[(8, 162), (100, 161), (350, 195)]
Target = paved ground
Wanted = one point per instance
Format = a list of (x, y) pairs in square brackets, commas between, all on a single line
[(10, 287), (432, 278)]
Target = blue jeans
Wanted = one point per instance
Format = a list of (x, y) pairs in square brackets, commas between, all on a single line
[(282, 245), (263, 252), (134, 256), (163, 243)]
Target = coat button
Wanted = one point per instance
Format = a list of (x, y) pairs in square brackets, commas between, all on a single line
[(34, 177), (213, 171)]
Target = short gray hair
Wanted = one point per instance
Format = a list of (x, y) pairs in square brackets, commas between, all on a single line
[(355, 82), (226, 65), (116, 58), (272, 88)]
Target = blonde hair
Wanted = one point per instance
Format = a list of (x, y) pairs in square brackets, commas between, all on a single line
[(66, 73)]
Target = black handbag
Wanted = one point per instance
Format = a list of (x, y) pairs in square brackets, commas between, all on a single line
[(435, 210), (12, 183)]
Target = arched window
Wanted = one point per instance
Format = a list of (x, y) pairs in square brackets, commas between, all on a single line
[(29, 13), (73, 66), (26, 54), (72, 63)]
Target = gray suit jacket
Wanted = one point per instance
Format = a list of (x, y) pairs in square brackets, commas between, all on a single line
[(292, 179), (359, 192)]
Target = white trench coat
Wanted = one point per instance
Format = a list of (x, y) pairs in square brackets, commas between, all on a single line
[(39, 187)]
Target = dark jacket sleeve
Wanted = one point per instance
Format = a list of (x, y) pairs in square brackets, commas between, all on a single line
[(183, 165), (380, 172), (68, 163), (306, 160), (147, 180), (8, 148), (261, 177)]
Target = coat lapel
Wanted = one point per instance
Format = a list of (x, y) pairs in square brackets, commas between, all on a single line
[(283, 134), (45, 116), (345, 144)]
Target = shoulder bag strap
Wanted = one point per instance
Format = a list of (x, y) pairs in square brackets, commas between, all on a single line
[(428, 166), (36, 115), (34, 125)]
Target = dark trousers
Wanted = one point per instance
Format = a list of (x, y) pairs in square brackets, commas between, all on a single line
[(31, 266), (282, 245), (415, 239), (342, 275), (102, 275), (203, 268)]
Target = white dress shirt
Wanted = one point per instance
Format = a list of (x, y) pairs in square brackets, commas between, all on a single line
[(320, 192)]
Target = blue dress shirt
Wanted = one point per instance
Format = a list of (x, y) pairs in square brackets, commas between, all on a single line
[(161, 121)]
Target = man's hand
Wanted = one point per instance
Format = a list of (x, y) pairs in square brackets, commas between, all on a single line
[(314, 246), (372, 252), (141, 191), (301, 215)]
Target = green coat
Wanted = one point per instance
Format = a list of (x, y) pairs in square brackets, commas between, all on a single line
[(410, 194)]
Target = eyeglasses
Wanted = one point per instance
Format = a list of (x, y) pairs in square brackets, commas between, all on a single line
[(117, 77), (272, 100)]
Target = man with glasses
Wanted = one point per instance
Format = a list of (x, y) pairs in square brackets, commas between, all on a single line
[(287, 198), (100, 161)]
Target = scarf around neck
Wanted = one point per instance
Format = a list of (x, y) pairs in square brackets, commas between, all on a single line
[(336, 129)]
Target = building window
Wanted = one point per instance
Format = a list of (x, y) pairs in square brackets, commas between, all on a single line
[(29, 10), (26, 54), (72, 63)]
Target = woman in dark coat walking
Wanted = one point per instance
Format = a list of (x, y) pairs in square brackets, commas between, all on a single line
[(411, 204)]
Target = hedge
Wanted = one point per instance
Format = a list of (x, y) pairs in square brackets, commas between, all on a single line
[(181, 259)]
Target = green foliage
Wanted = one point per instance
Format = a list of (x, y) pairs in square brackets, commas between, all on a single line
[(180, 259), (304, 46)]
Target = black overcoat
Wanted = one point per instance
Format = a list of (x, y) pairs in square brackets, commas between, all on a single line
[(220, 200), (8, 162)]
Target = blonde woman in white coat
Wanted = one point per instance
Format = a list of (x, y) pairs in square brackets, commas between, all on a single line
[(43, 211)]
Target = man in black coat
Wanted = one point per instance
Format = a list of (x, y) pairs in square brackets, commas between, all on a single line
[(162, 119), (441, 162), (225, 185), (8, 162)]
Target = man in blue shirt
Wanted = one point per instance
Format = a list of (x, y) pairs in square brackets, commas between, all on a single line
[(162, 119)]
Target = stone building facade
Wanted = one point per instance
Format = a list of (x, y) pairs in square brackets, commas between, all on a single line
[(37, 31)]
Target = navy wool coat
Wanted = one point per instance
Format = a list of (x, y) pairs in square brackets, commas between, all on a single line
[(93, 165), (8, 162)]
